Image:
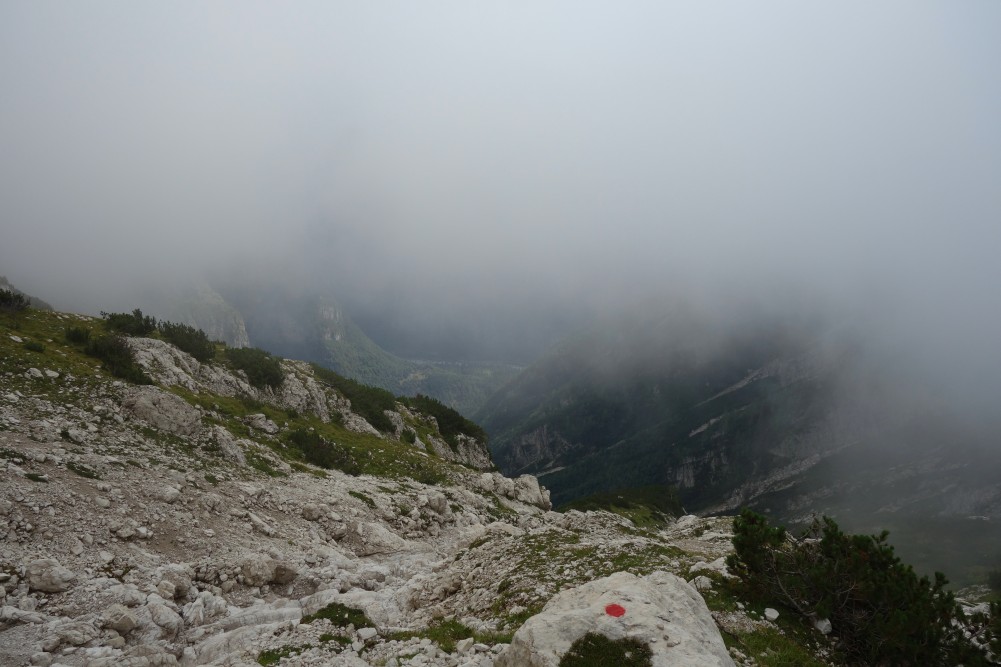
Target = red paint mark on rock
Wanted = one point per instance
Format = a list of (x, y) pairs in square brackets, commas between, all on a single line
[(615, 610)]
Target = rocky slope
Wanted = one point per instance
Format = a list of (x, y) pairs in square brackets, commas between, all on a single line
[(172, 524)]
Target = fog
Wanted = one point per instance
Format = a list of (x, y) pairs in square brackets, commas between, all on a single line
[(509, 170)]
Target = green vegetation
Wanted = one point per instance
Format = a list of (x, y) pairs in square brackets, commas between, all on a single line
[(321, 452), (364, 497), (117, 357), (771, 647), (340, 615), (646, 506), (369, 402), (131, 324), (595, 650), (446, 632), (13, 302), (189, 339), (881, 611), (262, 369), (274, 656), (34, 346), (451, 424), (35, 477), (77, 335)]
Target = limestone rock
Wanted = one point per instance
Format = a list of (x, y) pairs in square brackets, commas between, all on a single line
[(374, 538), (119, 618), (48, 576), (162, 410), (261, 423), (660, 610), (528, 491), (258, 570)]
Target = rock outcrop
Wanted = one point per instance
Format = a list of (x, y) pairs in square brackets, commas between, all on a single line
[(660, 611)]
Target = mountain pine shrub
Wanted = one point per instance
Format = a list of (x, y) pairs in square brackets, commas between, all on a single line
[(131, 324), (370, 402), (117, 358), (13, 302), (189, 339), (320, 452), (450, 423), (595, 650), (78, 335), (880, 610), (261, 368)]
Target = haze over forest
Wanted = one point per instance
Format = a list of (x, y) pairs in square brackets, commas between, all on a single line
[(477, 181)]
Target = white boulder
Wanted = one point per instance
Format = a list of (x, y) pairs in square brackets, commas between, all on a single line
[(659, 610), (48, 576)]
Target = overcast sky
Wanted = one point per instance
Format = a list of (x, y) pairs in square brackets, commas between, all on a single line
[(511, 150)]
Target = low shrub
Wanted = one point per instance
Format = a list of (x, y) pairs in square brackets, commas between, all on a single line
[(78, 335), (13, 302), (369, 402), (33, 346), (321, 452), (341, 616), (262, 369), (881, 611), (117, 358), (131, 324), (595, 650), (451, 424), (188, 339)]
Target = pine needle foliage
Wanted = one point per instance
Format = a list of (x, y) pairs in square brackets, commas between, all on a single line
[(189, 339), (131, 324), (262, 369), (880, 610)]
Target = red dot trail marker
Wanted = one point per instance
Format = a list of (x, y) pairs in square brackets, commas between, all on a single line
[(615, 610)]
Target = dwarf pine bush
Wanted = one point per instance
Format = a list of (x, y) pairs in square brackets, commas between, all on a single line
[(881, 611)]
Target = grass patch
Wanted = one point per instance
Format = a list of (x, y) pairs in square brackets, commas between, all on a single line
[(771, 648), (274, 656), (340, 615), (363, 497), (35, 477), (445, 633), (646, 506)]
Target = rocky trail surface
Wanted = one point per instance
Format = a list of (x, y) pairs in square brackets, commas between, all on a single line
[(166, 524)]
